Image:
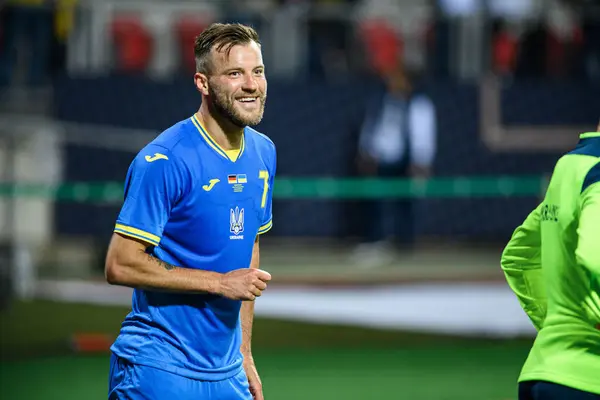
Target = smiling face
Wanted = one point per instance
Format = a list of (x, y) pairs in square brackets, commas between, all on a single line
[(237, 87), (230, 73)]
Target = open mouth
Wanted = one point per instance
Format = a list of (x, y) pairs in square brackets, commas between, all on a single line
[(248, 103), (248, 100)]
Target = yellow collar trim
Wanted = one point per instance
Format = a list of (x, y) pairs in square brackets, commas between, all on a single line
[(212, 143)]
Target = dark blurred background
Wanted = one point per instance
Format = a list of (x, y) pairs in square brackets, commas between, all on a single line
[(413, 137)]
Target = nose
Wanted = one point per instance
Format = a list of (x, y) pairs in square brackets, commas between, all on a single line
[(250, 84)]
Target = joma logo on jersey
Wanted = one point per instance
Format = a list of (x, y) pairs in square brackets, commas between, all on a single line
[(236, 223), (549, 212), (156, 156)]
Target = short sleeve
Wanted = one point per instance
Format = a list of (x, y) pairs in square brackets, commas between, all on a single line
[(267, 222), (153, 186)]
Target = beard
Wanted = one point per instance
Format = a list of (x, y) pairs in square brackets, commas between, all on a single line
[(225, 106)]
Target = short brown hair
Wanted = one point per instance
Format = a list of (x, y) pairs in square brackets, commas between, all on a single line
[(220, 36)]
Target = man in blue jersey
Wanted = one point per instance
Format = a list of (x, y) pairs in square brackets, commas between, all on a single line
[(186, 239)]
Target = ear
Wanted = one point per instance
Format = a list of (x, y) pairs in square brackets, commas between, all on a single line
[(201, 82)]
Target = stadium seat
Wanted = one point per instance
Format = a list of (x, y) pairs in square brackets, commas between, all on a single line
[(383, 44), (505, 49), (133, 44), (186, 29)]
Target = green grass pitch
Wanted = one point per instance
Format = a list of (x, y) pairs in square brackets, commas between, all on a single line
[(295, 360)]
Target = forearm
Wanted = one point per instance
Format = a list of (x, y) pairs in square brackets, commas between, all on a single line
[(135, 268), (521, 263), (247, 318), (247, 311), (528, 286)]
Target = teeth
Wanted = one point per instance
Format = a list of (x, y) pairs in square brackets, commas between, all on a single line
[(246, 99)]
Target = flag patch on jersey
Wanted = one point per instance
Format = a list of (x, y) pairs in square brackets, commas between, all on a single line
[(239, 178), (237, 181)]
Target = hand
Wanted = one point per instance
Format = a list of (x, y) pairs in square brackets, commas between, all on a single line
[(253, 379), (244, 284)]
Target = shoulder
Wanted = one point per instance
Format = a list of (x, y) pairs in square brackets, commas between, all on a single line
[(592, 176), (263, 147), (577, 171), (175, 137), (167, 150), (260, 142), (174, 140), (260, 139)]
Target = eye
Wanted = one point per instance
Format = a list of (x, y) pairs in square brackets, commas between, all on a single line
[(235, 74), (259, 72)]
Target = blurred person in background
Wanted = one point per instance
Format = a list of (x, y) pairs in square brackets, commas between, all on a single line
[(28, 26), (564, 41), (64, 16), (554, 44), (589, 10), (397, 140), (552, 263), (329, 55), (186, 239)]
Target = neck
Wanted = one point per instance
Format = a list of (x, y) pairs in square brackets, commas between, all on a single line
[(226, 134)]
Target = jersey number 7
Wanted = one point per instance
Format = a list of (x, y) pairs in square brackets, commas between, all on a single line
[(264, 175)]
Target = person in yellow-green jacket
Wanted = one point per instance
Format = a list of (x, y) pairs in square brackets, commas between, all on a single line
[(552, 263)]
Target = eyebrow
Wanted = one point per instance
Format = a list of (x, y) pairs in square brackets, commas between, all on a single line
[(234, 69)]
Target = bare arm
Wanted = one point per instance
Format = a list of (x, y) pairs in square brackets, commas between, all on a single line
[(128, 264), (247, 318), (247, 311)]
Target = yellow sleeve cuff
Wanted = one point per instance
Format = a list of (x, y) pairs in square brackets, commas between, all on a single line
[(266, 227), (137, 233)]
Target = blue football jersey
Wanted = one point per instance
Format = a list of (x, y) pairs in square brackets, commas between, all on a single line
[(198, 208)]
